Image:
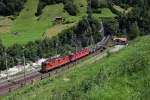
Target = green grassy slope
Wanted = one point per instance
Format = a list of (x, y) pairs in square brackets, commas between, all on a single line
[(30, 28), (118, 8), (26, 25), (81, 6), (105, 13), (124, 75), (5, 24)]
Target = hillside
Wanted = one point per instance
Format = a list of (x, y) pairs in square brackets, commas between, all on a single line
[(31, 30), (27, 27), (124, 75), (10, 7)]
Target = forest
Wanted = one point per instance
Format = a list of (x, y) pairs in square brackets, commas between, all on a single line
[(11, 7), (137, 19)]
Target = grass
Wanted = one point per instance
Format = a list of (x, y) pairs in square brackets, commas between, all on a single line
[(124, 75), (51, 11), (30, 28), (105, 12), (27, 27), (59, 79), (5, 24), (81, 6), (118, 8), (57, 29)]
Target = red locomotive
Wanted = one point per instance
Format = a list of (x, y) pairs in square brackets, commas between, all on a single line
[(57, 62), (53, 63), (80, 54)]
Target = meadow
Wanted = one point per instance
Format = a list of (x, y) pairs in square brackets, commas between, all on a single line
[(123, 75), (27, 27), (105, 13)]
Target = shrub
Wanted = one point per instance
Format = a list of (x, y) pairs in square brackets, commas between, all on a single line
[(70, 8), (11, 7), (97, 11)]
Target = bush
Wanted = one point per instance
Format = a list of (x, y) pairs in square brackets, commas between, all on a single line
[(43, 3), (133, 31), (98, 11), (94, 4), (11, 7), (70, 8)]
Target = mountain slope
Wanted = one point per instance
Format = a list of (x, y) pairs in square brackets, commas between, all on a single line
[(124, 75), (28, 27)]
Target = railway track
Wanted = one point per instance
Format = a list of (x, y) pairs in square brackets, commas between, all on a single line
[(36, 76)]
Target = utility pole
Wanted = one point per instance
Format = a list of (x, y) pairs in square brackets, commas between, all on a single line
[(13, 61), (90, 5), (57, 46), (89, 9), (74, 43), (24, 63), (89, 30), (6, 65), (102, 29)]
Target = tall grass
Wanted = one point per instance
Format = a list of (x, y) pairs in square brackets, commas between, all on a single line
[(105, 13), (124, 75)]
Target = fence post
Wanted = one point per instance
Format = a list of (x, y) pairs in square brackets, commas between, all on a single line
[(41, 77), (56, 72), (9, 90), (49, 75), (21, 84), (31, 81)]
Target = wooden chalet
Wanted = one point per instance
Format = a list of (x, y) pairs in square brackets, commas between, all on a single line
[(58, 19)]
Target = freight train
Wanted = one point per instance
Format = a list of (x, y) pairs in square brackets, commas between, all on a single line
[(53, 63)]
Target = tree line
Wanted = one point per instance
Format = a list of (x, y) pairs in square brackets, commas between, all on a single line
[(11, 7), (136, 22), (99, 4)]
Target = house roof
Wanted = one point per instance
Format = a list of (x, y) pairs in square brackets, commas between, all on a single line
[(120, 38), (58, 17)]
